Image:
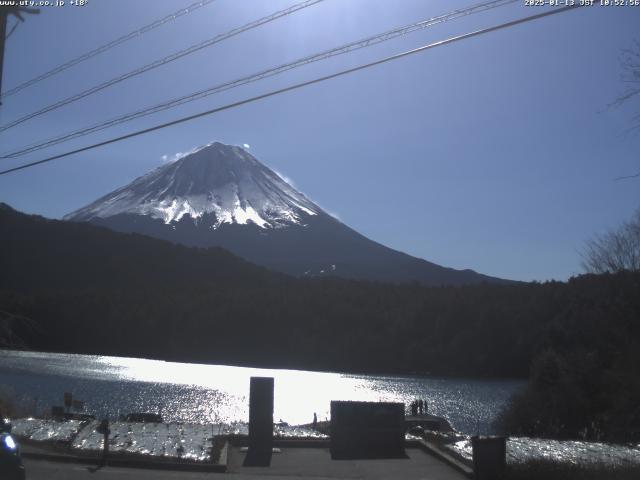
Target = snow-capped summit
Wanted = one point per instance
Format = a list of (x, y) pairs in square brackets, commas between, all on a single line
[(222, 196), (223, 180)]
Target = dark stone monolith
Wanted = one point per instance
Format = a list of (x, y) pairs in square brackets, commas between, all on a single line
[(489, 457), (260, 422), (367, 430)]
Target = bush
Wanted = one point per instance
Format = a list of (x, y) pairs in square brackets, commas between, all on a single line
[(577, 394)]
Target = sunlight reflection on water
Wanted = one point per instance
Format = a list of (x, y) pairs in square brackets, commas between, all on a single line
[(200, 393)]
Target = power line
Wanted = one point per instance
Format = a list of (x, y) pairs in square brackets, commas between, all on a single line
[(356, 45), (296, 86), (162, 61), (107, 46), (626, 177)]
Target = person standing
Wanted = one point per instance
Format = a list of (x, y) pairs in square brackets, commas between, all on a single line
[(103, 428)]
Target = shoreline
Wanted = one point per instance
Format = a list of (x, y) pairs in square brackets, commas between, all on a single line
[(186, 359)]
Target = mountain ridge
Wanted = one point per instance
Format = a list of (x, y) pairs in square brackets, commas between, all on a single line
[(220, 195)]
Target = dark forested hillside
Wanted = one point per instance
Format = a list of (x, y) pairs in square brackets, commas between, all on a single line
[(38, 253), (89, 290)]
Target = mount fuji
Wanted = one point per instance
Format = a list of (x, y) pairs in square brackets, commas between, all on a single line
[(220, 195)]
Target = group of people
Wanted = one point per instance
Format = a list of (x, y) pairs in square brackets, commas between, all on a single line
[(419, 407)]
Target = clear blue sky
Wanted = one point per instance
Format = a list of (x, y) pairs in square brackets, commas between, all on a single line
[(496, 154)]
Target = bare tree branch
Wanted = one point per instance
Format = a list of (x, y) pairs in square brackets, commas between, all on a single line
[(616, 250), (630, 77), (8, 323)]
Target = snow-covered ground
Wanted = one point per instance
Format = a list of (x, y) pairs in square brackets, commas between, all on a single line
[(522, 449), (193, 441), (170, 440), (188, 441), (40, 430)]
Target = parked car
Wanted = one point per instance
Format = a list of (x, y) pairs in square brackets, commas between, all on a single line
[(11, 467)]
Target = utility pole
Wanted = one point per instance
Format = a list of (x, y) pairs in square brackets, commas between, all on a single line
[(4, 16)]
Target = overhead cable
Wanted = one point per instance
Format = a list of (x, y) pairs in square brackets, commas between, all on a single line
[(107, 46), (296, 86), (350, 47), (161, 62)]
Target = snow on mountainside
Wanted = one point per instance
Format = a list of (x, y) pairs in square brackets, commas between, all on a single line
[(215, 179), (221, 196)]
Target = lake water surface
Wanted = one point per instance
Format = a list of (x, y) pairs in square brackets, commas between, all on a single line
[(196, 393)]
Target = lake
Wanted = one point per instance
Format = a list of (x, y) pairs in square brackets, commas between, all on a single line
[(198, 393)]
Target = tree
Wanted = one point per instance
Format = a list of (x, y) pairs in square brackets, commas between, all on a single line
[(616, 250), (630, 62)]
